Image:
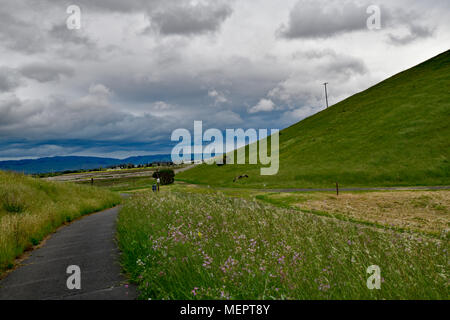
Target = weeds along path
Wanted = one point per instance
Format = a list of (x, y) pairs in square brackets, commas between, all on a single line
[(88, 243)]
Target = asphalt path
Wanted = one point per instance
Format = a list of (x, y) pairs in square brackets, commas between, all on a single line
[(88, 243)]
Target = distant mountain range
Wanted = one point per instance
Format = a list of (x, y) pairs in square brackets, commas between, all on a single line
[(58, 164)]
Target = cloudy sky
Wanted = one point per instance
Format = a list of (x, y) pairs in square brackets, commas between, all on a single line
[(136, 70)]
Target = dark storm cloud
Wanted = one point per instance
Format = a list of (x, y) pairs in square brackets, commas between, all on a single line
[(311, 19), (174, 17), (44, 72), (31, 149), (19, 34), (108, 6), (9, 79), (192, 90), (137, 69), (414, 33), (344, 67), (95, 117), (31, 28), (188, 19), (90, 117), (60, 33), (9, 109), (322, 19)]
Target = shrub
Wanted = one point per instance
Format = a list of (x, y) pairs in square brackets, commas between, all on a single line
[(12, 202), (167, 176)]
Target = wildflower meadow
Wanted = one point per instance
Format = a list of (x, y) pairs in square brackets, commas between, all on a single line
[(197, 246)]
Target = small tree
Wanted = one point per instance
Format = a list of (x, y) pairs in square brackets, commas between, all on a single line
[(167, 176)]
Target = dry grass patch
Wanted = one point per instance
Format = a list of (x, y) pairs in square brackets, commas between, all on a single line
[(427, 211)]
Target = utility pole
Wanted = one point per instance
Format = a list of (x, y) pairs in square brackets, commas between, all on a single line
[(326, 93)]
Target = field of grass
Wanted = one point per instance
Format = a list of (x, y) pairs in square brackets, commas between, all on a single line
[(32, 208), (123, 184), (424, 211), (209, 246), (393, 134)]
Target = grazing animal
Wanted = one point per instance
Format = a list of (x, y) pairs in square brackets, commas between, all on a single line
[(240, 177)]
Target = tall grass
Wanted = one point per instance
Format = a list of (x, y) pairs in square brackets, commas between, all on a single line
[(31, 208), (189, 246)]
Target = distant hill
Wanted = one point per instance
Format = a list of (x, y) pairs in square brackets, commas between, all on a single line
[(57, 164), (395, 133)]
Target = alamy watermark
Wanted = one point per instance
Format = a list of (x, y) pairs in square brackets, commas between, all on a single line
[(374, 281), (74, 280), (374, 20), (221, 150), (73, 21)]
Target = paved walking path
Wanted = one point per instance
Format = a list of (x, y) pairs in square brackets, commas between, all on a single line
[(88, 243)]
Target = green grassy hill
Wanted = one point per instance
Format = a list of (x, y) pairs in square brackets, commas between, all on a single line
[(32, 208), (395, 133)]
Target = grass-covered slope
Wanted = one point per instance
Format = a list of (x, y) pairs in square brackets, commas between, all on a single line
[(32, 208), (395, 133)]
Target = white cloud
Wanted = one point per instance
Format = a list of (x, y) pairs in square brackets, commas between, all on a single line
[(99, 90), (218, 97), (264, 105)]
